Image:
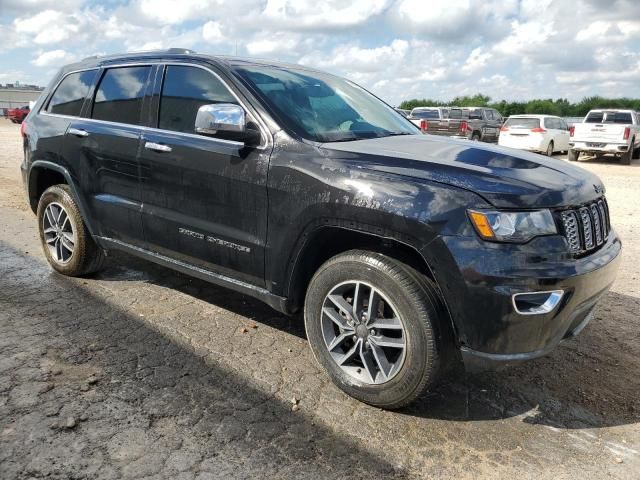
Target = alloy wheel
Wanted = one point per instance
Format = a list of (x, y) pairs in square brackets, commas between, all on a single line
[(363, 332), (58, 233)]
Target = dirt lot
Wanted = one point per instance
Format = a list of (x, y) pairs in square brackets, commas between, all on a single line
[(140, 372)]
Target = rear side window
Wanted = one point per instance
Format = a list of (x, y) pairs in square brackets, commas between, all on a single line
[(522, 123), (70, 94), (184, 91), (119, 95)]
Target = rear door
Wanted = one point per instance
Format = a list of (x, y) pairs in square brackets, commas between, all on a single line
[(562, 136), (105, 145), (205, 197)]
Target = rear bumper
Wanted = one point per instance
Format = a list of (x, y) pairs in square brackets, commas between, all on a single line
[(490, 331), (599, 147), (530, 144)]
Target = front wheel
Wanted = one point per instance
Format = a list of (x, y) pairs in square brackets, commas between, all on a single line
[(66, 242), (371, 322)]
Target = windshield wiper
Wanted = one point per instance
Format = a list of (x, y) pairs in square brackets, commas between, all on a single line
[(396, 134)]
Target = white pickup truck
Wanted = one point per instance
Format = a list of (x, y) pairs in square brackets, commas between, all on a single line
[(606, 131)]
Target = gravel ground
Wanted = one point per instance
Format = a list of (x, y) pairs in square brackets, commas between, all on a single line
[(140, 372)]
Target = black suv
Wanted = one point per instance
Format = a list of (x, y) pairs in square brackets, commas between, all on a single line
[(299, 188)]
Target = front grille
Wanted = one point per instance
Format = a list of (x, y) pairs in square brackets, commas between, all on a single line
[(586, 228)]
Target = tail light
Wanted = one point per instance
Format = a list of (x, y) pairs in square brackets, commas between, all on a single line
[(424, 125), (538, 130), (464, 126), (23, 125), (504, 129), (627, 132), (572, 130)]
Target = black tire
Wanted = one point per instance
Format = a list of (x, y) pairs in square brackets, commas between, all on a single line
[(87, 257), (625, 158), (550, 149), (476, 137), (572, 155), (636, 152), (416, 302)]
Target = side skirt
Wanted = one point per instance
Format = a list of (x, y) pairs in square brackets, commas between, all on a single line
[(274, 301)]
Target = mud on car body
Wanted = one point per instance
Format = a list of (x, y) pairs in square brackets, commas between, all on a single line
[(402, 251)]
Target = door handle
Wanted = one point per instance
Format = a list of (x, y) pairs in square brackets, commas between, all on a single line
[(158, 147), (78, 133)]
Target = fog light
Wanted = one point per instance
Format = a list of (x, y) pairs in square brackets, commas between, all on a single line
[(536, 303)]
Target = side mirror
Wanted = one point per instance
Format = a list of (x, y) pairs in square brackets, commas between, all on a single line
[(221, 118)]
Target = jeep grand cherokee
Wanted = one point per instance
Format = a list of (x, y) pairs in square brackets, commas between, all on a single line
[(403, 250)]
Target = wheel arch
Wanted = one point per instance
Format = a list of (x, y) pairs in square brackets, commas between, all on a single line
[(331, 239), (44, 174)]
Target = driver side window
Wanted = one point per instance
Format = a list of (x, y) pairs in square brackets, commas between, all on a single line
[(184, 90)]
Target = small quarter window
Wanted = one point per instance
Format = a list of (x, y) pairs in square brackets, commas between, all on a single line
[(70, 94), (184, 91), (119, 96)]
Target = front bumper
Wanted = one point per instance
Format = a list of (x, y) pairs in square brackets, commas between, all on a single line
[(489, 329)]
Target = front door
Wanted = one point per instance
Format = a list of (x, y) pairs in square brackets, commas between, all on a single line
[(204, 197)]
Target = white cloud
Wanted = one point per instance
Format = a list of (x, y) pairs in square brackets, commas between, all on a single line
[(212, 32), (476, 60), (397, 48), (326, 15), (172, 12), (360, 59), (52, 58)]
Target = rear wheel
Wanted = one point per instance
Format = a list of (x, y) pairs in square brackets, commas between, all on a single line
[(372, 326), (573, 155), (475, 136), (625, 158), (66, 242), (550, 149), (636, 151)]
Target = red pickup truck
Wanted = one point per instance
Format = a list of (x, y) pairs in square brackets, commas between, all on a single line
[(17, 115)]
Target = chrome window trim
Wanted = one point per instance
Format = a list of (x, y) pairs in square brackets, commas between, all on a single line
[(263, 128)]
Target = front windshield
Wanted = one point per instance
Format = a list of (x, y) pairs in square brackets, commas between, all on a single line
[(321, 107)]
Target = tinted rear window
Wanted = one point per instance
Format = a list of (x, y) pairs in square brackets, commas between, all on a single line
[(119, 96), (425, 114), (522, 122), (457, 113), (70, 94), (594, 117), (618, 117)]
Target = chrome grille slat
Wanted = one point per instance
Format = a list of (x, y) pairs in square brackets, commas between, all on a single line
[(597, 224), (587, 230), (603, 216), (587, 227)]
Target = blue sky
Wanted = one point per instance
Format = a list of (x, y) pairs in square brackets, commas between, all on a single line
[(400, 49)]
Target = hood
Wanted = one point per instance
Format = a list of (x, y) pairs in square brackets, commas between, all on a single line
[(505, 177)]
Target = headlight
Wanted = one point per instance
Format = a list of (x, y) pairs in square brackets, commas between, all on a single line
[(519, 227)]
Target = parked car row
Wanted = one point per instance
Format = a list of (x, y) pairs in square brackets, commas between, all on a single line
[(602, 131), (473, 123)]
